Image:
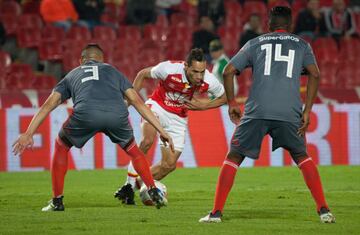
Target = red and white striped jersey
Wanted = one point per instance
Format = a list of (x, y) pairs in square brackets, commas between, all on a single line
[(174, 87)]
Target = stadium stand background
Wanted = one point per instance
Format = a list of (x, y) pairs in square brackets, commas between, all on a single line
[(36, 55)]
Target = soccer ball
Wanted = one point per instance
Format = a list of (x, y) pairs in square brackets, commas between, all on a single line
[(144, 196)]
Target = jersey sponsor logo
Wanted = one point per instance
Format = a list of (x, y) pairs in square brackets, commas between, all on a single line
[(174, 83), (172, 104), (175, 79), (282, 37)]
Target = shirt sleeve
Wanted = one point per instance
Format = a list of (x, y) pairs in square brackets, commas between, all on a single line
[(160, 71), (63, 88), (216, 89), (243, 58), (309, 57), (124, 81)]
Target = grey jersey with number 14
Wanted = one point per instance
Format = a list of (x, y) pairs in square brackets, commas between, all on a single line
[(277, 60)]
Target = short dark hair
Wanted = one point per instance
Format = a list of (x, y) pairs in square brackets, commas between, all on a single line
[(94, 47), (280, 18), (196, 54)]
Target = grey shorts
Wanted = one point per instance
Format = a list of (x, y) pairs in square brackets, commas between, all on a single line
[(248, 137), (82, 125)]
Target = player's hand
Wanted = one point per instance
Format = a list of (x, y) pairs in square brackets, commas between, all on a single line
[(234, 112), (305, 121), (167, 140), (126, 102), (195, 104), (24, 141)]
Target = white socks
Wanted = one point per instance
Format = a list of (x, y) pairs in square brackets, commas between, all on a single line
[(133, 178)]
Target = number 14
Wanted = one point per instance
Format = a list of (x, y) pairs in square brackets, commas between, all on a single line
[(289, 59)]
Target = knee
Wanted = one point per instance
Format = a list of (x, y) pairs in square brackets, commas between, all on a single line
[(146, 144), (234, 157), (168, 167)]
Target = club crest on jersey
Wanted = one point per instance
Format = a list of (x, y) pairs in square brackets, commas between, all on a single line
[(186, 87)]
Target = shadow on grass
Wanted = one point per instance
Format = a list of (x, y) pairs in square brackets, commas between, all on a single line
[(256, 213)]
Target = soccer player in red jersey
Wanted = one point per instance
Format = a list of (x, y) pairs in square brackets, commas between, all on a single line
[(273, 107), (179, 81), (98, 91)]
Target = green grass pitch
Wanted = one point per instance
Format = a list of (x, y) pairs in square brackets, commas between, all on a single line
[(263, 201)]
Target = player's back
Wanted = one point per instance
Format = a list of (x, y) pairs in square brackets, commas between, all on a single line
[(277, 60), (97, 86)]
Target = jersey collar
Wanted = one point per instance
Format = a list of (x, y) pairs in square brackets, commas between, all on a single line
[(91, 62), (281, 31)]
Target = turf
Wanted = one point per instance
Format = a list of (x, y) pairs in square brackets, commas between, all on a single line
[(263, 201)]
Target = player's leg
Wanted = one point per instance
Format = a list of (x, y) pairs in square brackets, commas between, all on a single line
[(142, 167), (176, 127), (246, 141), (59, 167), (158, 170), (126, 192), (123, 135), (223, 187), (148, 135), (285, 135), (167, 163), (140, 163), (224, 184), (313, 182), (76, 131)]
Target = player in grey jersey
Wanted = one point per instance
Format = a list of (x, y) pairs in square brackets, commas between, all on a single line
[(273, 107), (98, 91)]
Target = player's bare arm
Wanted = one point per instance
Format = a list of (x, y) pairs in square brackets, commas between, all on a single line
[(25, 140), (312, 88), (140, 77), (147, 114), (204, 104), (234, 109)]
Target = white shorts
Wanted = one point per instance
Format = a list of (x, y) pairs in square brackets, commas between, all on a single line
[(173, 124)]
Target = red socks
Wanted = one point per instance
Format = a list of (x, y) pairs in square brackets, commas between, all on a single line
[(224, 184), (59, 167), (228, 173), (140, 164), (312, 180)]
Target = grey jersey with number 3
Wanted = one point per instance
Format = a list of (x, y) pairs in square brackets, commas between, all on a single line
[(277, 60), (95, 86)]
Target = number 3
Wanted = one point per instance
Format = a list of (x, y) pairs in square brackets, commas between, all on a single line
[(278, 57), (94, 70)]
